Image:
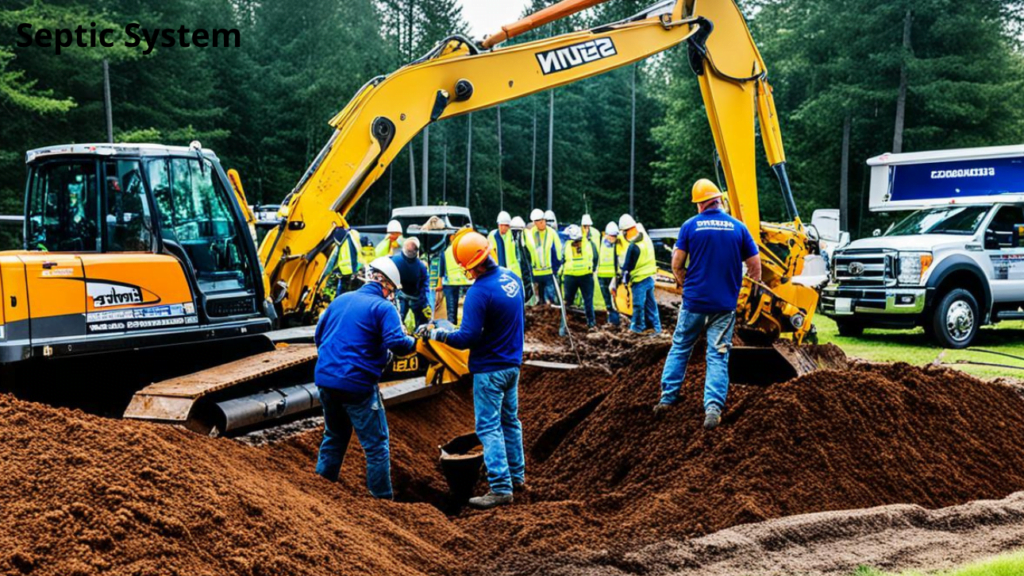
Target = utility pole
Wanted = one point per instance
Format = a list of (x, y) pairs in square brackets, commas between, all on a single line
[(108, 108), (901, 100), (551, 150), (501, 189), (533, 156), (844, 178), (391, 188), (469, 154), (444, 175), (426, 164), (412, 174), (632, 147)]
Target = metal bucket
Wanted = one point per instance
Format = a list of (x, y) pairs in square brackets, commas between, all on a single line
[(461, 461)]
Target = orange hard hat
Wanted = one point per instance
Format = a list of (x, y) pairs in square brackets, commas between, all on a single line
[(704, 190), (470, 248)]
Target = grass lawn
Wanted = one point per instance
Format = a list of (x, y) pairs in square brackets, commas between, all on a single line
[(913, 347), (1005, 565)]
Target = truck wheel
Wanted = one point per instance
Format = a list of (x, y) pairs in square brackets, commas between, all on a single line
[(850, 328), (955, 319)]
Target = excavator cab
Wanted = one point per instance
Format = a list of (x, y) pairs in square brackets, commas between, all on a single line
[(128, 246)]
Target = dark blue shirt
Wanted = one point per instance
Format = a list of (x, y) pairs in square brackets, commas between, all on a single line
[(492, 322), (717, 245), (353, 337), (415, 278)]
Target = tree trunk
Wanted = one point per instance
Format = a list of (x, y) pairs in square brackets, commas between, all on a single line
[(469, 155), (533, 158), (107, 107), (632, 147), (551, 151), (844, 178), (901, 99), (412, 174), (501, 189), (426, 165)]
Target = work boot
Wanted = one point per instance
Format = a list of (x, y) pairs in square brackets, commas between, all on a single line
[(661, 408), (712, 418), (490, 500), (519, 487)]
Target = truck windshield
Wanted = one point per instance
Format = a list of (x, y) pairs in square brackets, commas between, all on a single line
[(961, 220)]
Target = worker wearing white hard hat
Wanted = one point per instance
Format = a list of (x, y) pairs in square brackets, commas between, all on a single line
[(545, 256), (608, 269), (353, 338), (578, 273), (549, 216), (392, 243), (518, 224), (503, 247), (523, 256), (587, 225), (638, 269)]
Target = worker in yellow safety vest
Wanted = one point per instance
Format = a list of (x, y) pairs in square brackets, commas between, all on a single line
[(454, 281), (578, 273), (503, 244), (637, 269), (523, 257), (546, 256), (587, 225), (391, 245), (349, 259), (608, 269)]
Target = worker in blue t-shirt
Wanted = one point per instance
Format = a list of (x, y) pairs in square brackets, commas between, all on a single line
[(492, 331), (718, 247)]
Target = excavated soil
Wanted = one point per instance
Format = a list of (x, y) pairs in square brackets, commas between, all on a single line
[(612, 488)]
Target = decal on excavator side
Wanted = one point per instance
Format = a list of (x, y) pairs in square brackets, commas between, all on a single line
[(570, 57)]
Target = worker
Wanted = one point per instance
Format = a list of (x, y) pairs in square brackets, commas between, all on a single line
[(552, 222), (415, 282), (492, 330), (638, 269), (546, 254), (504, 252), (587, 224), (454, 282), (392, 244), (718, 247), (608, 269), (523, 256), (578, 273), (353, 338), (349, 261)]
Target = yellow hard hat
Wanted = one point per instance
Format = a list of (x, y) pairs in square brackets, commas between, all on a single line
[(704, 190)]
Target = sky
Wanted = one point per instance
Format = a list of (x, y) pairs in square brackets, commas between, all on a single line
[(488, 16)]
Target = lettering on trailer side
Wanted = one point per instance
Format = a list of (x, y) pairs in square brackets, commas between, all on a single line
[(569, 57)]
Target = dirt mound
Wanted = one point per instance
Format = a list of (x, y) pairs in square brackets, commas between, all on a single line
[(86, 495), (602, 346)]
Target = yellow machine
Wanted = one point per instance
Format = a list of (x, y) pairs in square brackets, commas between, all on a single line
[(131, 246)]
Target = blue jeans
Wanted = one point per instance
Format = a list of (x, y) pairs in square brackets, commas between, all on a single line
[(584, 284), (609, 301), (451, 300), (343, 412), (719, 335), (496, 403), (645, 307), (546, 291)]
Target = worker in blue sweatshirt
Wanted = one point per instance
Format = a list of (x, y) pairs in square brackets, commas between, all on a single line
[(492, 331), (415, 282), (353, 338)]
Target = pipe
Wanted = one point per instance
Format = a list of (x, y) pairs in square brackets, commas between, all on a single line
[(554, 12)]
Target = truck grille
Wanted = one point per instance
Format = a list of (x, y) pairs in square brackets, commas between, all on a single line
[(864, 268)]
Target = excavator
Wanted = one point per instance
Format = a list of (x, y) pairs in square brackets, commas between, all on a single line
[(132, 246)]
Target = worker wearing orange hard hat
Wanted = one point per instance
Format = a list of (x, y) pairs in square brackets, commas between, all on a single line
[(492, 330), (718, 247)]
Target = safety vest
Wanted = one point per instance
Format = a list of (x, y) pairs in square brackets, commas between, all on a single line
[(349, 259), (540, 248), (385, 249), (508, 249), (607, 266), (579, 260), (646, 264), (454, 274)]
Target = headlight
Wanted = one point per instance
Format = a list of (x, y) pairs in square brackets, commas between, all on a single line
[(913, 265)]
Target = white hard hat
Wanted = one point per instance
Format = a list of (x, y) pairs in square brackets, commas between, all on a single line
[(550, 215), (586, 221), (611, 229), (626, 222), (387, 267), (394, 227), (504, 218), (414, 240), (536, 215), (518, 223), (574, 232)]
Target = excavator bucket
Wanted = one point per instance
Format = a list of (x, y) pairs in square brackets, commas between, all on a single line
[(782, 361)]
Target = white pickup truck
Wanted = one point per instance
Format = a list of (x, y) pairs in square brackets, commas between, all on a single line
[(953, 264)]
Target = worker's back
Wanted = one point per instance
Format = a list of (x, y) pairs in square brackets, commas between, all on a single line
[(492, 322), (717, 244)]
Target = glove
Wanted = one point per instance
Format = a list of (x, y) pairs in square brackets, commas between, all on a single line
[(422, 331), (438, 335), (613, 285)]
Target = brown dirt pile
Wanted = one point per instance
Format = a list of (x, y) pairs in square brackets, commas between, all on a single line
[(603, 346)]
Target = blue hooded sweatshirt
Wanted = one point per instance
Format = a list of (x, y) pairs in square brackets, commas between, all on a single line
[(492, 322)]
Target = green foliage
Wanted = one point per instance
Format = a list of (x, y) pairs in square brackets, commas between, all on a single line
[(1011, 564)]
